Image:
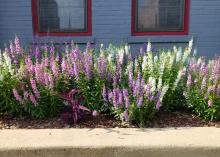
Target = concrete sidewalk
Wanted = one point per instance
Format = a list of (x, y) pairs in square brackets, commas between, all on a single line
[(179, 142)]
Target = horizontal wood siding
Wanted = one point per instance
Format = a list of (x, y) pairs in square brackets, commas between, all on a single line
[(111, 22)]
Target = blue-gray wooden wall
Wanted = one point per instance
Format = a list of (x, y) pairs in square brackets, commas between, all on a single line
[(111, 22)]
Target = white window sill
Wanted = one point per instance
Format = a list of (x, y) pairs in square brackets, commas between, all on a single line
[(158, 39), (63, 40)]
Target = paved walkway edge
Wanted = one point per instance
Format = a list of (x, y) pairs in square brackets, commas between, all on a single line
[(168, 142)]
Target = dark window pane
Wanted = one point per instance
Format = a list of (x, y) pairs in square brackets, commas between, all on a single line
[(62, 15), (159, 15)]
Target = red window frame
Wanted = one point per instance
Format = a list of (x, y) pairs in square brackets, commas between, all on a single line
[(36, 23), (185, 21)]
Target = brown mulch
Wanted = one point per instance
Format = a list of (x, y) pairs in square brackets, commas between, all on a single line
[(175, 119), (181, 119)]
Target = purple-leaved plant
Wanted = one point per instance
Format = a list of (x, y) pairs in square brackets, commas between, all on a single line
[(75, 105)]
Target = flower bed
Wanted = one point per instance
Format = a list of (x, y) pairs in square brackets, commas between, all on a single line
[(161, 120), (45, 82)]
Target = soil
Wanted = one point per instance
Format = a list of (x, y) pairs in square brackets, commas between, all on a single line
[(175, 119)]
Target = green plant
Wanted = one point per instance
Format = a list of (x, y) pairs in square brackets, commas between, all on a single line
[(203, 88)]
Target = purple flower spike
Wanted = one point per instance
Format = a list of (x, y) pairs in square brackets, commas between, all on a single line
[(51, 81), (52, 51), (126, 116), (148, 89), (140, 101), (33, 100), (37, 53), (145, 47), (64, 65), (34, 87), (204, 70), (158, 94), (46, 62), (88, 65), (17, 45), (46, 79), (137, 86), (102, 65), (115, 81), (17, 96), (158, 105), (29, 64), (76, 70), (110, 96), (88, 47), (115, 97), (45, 48), (141, 51), (130, 78), (120, 98), (151, 97), (54, 69), (12, 49), (126, 98)]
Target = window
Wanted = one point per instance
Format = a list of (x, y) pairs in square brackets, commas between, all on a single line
[(62, 17), (160, 17)]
